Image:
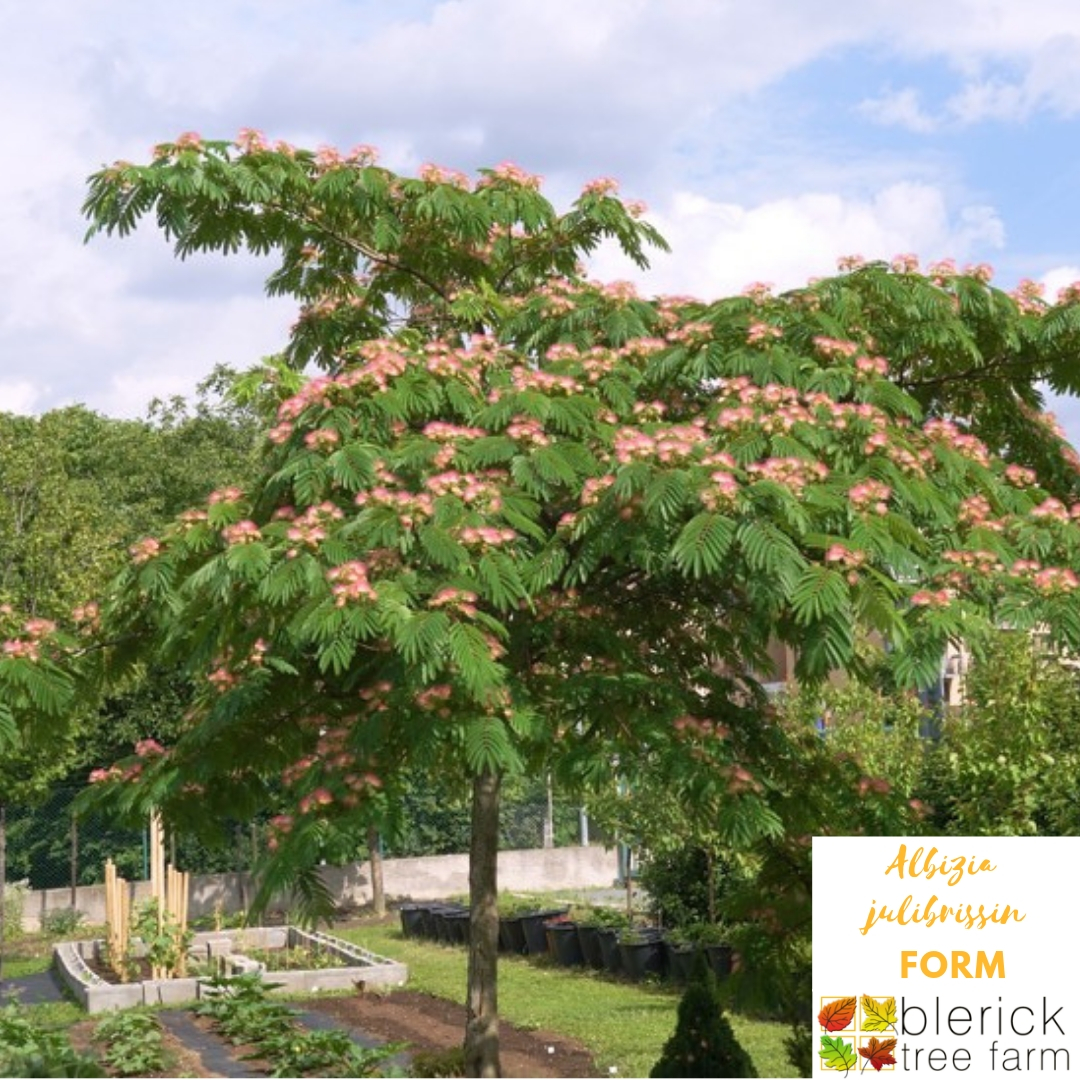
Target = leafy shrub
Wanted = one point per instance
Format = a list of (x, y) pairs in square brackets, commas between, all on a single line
[(238, 1007), (14, 902), (703, 1043), (27, 1049), (62, 922), (133, 1043)]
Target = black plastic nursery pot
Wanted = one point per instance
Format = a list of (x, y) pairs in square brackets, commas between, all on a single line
[(721, 959), (643, 956), (412, 920), (564, 944), (680, 960), (511, 934), (609, 950), (443, 919), (456, 927), (589, 940), (536, 943)]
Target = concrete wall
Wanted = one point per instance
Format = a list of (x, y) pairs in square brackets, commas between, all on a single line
[(431, 877)]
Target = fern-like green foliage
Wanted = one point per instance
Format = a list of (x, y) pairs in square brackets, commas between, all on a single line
[(522, 520)]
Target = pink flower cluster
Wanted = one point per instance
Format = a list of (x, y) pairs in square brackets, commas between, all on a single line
[(982, 562), (905, 264), (460, 600), (870, 495), (523, 429), (762, 333), (603, 185), (967, 445), (1055, 580), (18, 649), (723, 493), (243, 532), (1029, 296), (410, 508), (926, 598), (533, 379), (1020, 477), (1051, 508), (845, 557), (872, 365), (835, 349), (225, 495), (510, 173), (309, 528), (144, 550), (435, 698), (593, 488), (792, 472), (469, 487), (440, 431), (439, 174), (486, 535), (321, 439), (349, 582)]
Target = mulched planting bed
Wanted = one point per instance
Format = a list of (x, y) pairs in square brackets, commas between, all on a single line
[(183, 1061), (431, 1023)]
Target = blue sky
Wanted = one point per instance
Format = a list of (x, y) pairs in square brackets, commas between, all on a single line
[(768, 139)]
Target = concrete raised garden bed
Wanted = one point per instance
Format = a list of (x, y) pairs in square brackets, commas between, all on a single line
[(95, 994)]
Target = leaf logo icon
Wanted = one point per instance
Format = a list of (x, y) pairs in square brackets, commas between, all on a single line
[(837, 1053), (879, 1052), (837, 1014), (878, 1015)]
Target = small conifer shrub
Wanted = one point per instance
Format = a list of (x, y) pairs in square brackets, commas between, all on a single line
[(703, 1043)]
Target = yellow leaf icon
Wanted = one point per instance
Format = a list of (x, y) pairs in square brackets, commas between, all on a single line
[(878, 1015)]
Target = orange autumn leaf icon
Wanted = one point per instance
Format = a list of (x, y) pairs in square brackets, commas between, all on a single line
[(879, 1052), (837, 1015)]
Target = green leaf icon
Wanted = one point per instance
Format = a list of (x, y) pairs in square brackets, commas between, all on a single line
[(837, 1053)]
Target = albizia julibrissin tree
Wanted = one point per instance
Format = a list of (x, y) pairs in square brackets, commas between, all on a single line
[(523, 518)]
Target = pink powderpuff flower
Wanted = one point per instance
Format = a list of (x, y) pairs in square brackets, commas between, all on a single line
[(189, 140), (603, 185), (225, 495), (145, 550), (243, 532), (251, 141), (149, 748), (322, 439)]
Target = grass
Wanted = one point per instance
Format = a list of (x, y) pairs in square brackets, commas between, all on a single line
[(622, 1025)]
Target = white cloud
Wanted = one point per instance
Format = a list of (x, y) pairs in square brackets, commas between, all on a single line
[(899, 108), (718, 248), (19, 396), (664, 95)]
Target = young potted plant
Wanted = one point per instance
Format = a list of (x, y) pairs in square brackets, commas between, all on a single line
[(642, 951), (595, 926), (563, 942)]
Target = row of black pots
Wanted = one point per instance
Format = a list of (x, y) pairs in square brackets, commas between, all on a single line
[(637, 955), (447, 923)]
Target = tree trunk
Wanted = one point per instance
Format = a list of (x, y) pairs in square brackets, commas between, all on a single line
[(482, 1027), (378, 894)]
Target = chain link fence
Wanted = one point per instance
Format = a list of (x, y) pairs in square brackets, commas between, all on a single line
[(49, 847)]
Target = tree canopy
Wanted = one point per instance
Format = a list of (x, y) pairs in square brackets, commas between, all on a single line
[(524, 517)]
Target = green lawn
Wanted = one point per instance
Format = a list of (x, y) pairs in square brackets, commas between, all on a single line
[(623, 1025)]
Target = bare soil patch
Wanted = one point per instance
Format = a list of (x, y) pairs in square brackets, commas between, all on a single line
[(430, 1023)]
